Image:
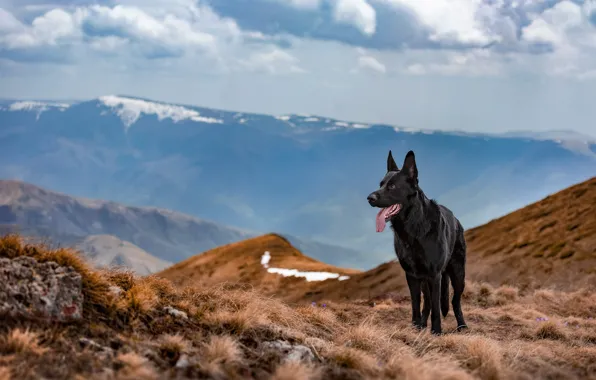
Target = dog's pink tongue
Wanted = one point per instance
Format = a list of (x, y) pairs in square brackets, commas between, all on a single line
[(381, 219)]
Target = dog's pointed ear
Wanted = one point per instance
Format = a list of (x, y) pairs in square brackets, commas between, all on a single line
[(410, 165), (391, 165)]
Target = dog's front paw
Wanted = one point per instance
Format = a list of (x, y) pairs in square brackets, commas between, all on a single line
[(461, 328), (436, 332), (419, 325)]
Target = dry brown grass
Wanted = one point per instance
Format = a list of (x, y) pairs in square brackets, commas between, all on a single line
[(222, 350), (292, 370), (5, 373), (135, 367), (19, 341), (513, 335), (550, 243)]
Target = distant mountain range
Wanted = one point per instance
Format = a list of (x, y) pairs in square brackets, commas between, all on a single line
[(304, 175), (142, 238)]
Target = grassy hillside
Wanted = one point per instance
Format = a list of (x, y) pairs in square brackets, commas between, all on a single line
[(548, 243), (241, 263), (224, 333)]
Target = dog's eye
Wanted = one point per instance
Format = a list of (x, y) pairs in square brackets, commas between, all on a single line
[(391, 186)]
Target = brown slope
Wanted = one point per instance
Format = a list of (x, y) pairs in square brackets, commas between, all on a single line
[(241, 263), (550, 243)]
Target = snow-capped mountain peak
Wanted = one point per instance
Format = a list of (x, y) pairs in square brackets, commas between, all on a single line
[(131, 109)]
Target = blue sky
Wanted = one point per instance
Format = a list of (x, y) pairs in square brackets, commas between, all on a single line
[(480, 65)]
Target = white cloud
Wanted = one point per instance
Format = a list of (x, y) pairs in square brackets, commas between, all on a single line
[(274, 61), (462, 21), (168, 31), (8, 23), (48, 29), (371, 63), (358, 13), (553, 24), (567, 28), (155, 28), (108, 43)]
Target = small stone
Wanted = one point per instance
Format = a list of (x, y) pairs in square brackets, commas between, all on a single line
[(86, 342), (115, 290), (102, 351), (183, 361), (176, 313)]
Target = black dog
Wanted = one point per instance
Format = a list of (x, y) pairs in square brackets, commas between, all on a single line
[(429, 243)]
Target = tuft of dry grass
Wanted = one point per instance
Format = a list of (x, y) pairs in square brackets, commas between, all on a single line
[(367, 337), (135, 367), (404, 365), (220, 355), (171, 347), (506, 294), (550, 330), (292, 370), (480, 355), (222, 350), (355, 359), (237, 321), (19, 341), (124, 279), (139, 299), (5, 373)]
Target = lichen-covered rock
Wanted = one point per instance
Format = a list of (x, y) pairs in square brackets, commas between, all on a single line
[(291, 352), (30, 288)]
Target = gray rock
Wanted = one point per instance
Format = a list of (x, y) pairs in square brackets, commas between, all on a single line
[(31, 288), (291, 352)]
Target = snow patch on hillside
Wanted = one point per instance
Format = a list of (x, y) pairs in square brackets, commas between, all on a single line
[(309, 276), (130, 110)]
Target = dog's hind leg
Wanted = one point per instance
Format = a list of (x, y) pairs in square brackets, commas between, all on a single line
[(415, 287), (457, 273), (426, 305), (445, 294)]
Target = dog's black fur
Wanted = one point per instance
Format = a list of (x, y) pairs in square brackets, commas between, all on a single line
[(429, 243)]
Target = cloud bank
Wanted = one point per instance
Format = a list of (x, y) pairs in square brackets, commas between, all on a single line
[(304, 48)]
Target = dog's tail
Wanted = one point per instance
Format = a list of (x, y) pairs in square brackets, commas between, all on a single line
[(445, 294)]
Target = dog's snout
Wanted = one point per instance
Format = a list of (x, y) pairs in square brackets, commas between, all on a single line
[(372, 198)]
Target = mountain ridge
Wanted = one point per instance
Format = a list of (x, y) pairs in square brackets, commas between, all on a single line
[(551, 135), (168, 235)]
